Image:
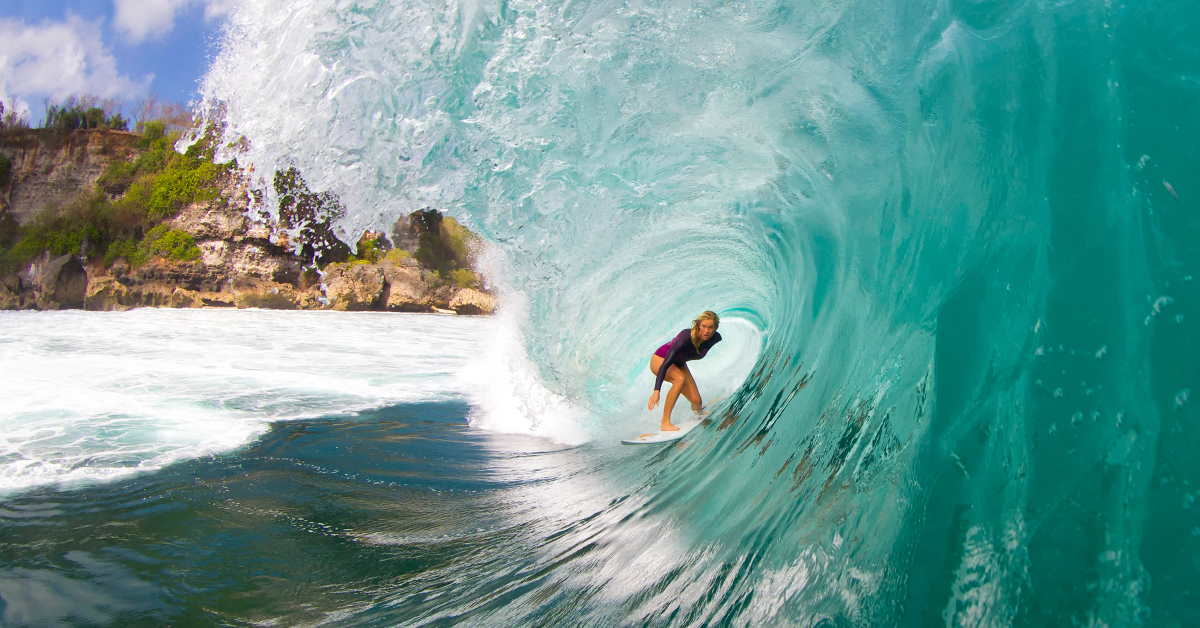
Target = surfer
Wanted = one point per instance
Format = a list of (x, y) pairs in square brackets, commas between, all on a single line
[(669, 363)]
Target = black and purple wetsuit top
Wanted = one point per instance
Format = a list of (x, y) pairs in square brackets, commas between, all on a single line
[(680, 350)]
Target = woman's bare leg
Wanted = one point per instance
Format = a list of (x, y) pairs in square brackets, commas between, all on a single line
[(691, 391), (672, 396), (677, 378)]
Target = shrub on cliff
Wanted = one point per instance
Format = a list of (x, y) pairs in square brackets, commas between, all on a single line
[(465, 278), (162, 194), (462, 242), (371, 247), (443, 244), (149, 189), (5, 170), (396, 256), (312, 215), (84, 113), (172, 244), (161, 180), (166, 115), (81, 227), (11, 119), (161, 241)]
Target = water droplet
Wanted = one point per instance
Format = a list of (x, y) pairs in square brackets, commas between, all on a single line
[(1101, 352), (1076, 418), (1182, 397), (1058, 393), (1170, 189), (1039, 351)]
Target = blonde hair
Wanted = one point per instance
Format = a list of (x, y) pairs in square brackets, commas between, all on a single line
[(706, 315)]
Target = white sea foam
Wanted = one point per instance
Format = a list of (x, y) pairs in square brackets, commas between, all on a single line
[(508, 392), (91, 396)]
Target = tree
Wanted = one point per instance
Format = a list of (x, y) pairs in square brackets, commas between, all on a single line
[(173, 116), (84, 113), (313, 215), (432, 250), (10, 118)]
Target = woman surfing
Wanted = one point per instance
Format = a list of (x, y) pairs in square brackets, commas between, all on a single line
[(669, 363)]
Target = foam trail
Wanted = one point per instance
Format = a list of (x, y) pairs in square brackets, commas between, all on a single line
[(98, 396)]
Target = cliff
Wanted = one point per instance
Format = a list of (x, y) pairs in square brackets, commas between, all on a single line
[(238, 260), (50, 168)]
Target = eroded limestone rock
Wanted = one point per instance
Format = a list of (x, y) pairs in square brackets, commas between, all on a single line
[(471, 301), (350, 286)]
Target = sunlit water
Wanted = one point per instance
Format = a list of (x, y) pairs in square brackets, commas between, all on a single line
[(93, 396), (177, 466), (954, 243)]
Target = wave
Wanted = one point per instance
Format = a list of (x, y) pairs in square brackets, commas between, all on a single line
[(95, 397), (957, 239)]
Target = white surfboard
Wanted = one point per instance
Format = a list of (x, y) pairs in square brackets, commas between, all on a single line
[(654, 438)]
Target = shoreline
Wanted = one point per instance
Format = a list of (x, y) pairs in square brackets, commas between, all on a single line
[(99, 242)]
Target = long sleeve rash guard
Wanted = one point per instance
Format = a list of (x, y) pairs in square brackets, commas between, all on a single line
[(680, 350)]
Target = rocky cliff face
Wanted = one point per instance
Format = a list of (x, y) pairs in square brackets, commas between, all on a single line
[(49, 169), (398, 287), (49, 283), (243, 262)]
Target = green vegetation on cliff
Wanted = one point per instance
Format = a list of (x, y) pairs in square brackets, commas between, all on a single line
[(119, 216), (11, 119), (443, 245), (371, 249), (125, 215), (161, 181), (84, 113), (160, 241), (312, 215)]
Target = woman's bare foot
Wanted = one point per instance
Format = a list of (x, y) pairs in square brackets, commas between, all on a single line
[(667, 427)]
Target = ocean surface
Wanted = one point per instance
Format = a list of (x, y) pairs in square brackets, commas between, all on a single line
[(954, 245)]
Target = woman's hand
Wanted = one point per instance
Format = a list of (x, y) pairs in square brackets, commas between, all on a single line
[(653, 400)]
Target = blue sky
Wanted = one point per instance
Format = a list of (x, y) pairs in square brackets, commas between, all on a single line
[(123, 50)]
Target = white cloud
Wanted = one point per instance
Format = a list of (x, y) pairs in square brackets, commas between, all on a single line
[(60, 59), (146, 19), (140, 20), (218, 9)]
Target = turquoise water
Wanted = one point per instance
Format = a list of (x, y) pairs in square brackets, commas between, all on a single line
[(966, 230), (955, 243)]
